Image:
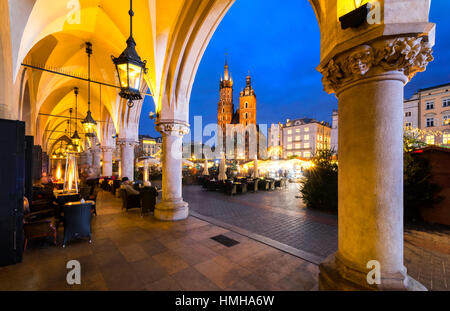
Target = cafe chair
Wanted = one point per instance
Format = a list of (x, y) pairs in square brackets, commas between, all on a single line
[(129, 201), (77, 221), (36, 226)]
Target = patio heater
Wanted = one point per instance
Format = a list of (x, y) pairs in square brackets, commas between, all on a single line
[(71, 173)]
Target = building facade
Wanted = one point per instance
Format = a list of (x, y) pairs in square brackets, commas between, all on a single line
[(275, 146), (429, 111), (304, 137), (148, 146), (242, 138)]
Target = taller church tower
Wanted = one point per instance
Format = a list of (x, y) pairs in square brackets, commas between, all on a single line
[(225, 107)]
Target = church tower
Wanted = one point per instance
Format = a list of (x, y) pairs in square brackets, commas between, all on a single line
[(225, 107), (247, 104)]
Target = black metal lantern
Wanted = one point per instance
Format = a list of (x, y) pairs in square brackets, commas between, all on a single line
[(130, 67), (75, 137), (89, 123)]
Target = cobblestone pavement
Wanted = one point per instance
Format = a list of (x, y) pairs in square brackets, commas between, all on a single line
[(281, 216), (277, 215)]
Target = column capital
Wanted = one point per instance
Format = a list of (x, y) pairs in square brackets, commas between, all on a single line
[(107, 148), (173, 128), (126, 142), (404, 55)]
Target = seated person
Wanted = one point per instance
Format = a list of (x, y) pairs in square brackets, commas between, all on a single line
[(127, 185)]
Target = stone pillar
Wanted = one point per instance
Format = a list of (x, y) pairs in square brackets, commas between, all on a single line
[(107, 161), (172, 207), (368, 81), (96, 158), (88, 157), (127, 157)]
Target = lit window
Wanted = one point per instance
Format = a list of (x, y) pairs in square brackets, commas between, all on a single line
[(306, 137), (446, 102), (298, 154), (429, 105), (307, 154), (289, 132), (307, 145), (446, 119), (289, 139), (429, 140), (297, 138), (446, 138), (430, 122), (297, 130), (289, 154), (306, 129), (289, 147), (297, 146)]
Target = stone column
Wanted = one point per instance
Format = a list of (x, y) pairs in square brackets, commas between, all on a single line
[(368, 81), (127, 157), (107, 161), (88, 157), (172, 207), (96, 158)]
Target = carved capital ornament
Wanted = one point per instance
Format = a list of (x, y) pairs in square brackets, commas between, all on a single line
[(173, 128), (408, 55)]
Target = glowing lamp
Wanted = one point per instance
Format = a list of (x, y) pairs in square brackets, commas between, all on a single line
[(130, 68), (76, 138), (357, 17), (89, 125)]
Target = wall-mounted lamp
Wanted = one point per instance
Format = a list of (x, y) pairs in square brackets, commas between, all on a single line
[(355, 18), (153, 115)]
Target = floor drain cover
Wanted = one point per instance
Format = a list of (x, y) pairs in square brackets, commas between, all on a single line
[(225, 240)]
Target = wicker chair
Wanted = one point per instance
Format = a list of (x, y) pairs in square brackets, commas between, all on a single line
[(129, 201), (77, 221)]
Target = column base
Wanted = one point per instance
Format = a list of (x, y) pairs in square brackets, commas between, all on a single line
[(172, 210), (335, 275)]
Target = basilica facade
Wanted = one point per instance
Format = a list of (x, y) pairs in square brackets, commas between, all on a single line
[(240, 137)]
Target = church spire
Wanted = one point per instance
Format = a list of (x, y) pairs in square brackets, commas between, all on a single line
[(249, 80), (226, 73)]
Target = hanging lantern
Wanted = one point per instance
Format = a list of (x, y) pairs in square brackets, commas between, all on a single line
[(130, 68), (75, 137), (89, 123)]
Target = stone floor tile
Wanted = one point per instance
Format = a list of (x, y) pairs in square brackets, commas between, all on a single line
[(133, 252), (192, 280), (171, 262)]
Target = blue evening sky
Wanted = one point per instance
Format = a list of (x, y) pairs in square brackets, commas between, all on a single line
[(280, 46)]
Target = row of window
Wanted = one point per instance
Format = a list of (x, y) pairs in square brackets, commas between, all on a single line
[(297, 138), (431, 139), (298, 146), (431, 122), (430, 105), (306, 130)]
